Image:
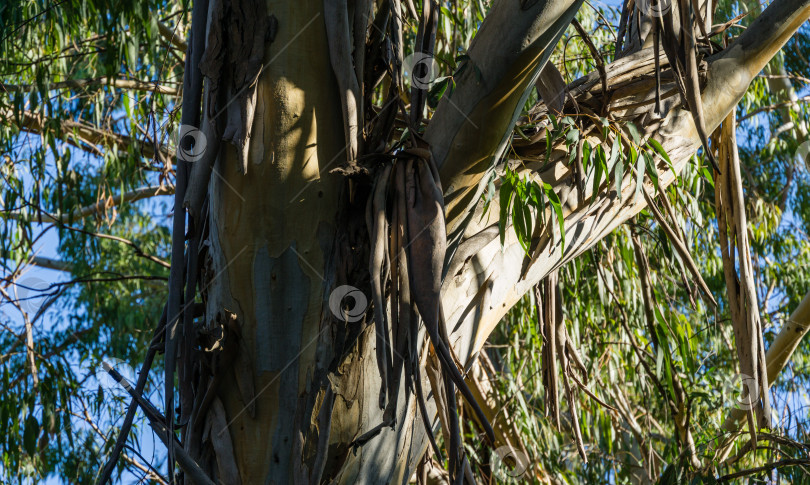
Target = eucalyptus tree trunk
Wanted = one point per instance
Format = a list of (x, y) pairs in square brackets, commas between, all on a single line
[(288, 236)]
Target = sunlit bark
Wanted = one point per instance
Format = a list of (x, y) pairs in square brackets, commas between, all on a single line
[(279, 235)]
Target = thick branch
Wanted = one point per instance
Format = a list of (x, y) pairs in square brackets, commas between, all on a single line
[(733, 69), (49, 263), (472, 126), (779, 353), (496, 272)]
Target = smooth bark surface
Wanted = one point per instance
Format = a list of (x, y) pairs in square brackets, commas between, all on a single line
[(278, 234)]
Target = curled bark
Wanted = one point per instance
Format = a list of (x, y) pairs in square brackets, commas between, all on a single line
[(216, 431), (379, 234), (336, 16), (741, 290), (192, 89), (558, 350), (249, 30)]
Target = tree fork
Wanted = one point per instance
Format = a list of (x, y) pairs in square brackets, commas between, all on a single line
[(282, 238)]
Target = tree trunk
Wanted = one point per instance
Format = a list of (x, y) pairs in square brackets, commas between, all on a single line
[(272, 243), (282, 238), (288, 235)]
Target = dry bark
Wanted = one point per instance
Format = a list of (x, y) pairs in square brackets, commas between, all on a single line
[(276, 242)]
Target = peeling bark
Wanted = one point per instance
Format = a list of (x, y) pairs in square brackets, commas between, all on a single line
[(735, 250), (278, 241)]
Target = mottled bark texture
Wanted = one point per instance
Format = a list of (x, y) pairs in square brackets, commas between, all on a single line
[(293, 385)]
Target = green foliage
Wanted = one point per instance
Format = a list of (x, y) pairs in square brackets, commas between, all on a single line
[(603, 301), (59, 65), (523, 199), (52, 58)]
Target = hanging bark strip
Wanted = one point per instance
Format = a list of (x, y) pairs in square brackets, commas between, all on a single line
[(405, 217), (426, 250), (338, 31), (680, 48), (378, 232), (548, 353), (423, 53), (558, 350), (408, 332), (691, 76), (656, 31), (626, 10), (741, 290), (192, 89)]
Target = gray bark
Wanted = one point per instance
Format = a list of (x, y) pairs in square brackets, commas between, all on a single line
[(281, 236)]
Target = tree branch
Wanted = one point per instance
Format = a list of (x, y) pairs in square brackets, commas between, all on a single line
[(779, 353), (505, 59), (80, 135), (764, 468), (102, 205), (133, 405), (172, 36), (49, 263), (130, 84), (496, 271), (775, 106), (158, 424)]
